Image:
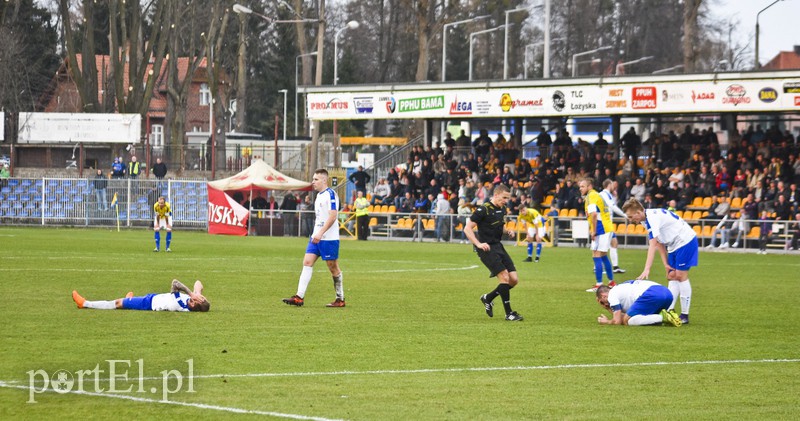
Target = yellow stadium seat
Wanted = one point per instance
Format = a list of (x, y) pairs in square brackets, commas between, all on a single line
[(620, 230), (370, 208), (384, 209), (755, 232), (373, 222), (563, 213), (392, 209), (707, 231), (697, 202), (640, 229), (706, 202), (573, 213), (736, 203), (548, 200), (697, 230), (630, 229)]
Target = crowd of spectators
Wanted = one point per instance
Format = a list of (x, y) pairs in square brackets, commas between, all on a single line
[(666, 170)]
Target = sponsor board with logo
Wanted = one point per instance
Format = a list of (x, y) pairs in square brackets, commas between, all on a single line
[(569, 100), (364, 105)]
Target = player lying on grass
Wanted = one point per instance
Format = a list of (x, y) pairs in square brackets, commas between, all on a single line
[(181, 298), (636, 303)]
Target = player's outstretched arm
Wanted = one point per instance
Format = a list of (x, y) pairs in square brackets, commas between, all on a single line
[(178, 286), (198, 287), (651, 254)]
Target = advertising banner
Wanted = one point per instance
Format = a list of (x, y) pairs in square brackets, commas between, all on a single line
[(712, 96), (225, 216), (79, 128)]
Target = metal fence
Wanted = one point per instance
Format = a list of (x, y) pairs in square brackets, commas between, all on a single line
[(90, 202)]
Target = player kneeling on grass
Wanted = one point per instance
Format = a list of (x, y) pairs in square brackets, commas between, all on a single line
[(637, 303), (181, 298)]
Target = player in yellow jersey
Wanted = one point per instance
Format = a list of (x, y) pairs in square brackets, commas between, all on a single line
[(163, 219), (599, 230), (534, 222)]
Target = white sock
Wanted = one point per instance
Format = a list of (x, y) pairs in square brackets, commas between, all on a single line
[(338, 287), (612, 254), (100, 305), (675, 289), (645, 320), (686, 296), (305, 278)]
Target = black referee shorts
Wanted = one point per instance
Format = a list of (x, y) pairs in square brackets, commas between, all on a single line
[(496, 259)]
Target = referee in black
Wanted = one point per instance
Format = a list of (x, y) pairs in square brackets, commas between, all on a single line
[(489, 219)]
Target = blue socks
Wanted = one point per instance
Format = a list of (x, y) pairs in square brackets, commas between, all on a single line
[(169, 240), (158, 239), (605, 259), (530, 250), (598, 269), (538, 250)]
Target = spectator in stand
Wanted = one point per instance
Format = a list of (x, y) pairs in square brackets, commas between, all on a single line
[(449, 142), (360, 179), (783, 209), (723, 230), (159, 169), (442, 211), (723, 180), (306, 209), (405, 204), (482, 144), (766, 232), (600, 145), (544, 141), (289, 205), (568, 196), (381, 193), (422, 204), (638, 190), (100, 183), (794, 229), (648, 201), (463, 141), (133, 168), (660, 193), (631, 143), (117, 169), (361, 205), (536, 193)]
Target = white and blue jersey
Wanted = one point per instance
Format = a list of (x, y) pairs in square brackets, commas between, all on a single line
[(639, 298), (328, 246), (675, 234), (326, 201), (173, 301)]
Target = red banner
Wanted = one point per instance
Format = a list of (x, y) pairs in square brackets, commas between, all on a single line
[(225, 216)]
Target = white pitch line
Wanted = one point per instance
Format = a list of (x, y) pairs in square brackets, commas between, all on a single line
[(189, 404), (419, 269), (469, 369)]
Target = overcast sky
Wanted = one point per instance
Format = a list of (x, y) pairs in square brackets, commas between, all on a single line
[(779, 24)]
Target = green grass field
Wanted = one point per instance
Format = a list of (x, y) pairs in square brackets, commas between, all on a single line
[(413, 343)]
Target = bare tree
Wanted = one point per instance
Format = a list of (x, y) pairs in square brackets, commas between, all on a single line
[(690, 33)]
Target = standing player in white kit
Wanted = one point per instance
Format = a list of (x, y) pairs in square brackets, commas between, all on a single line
[(324, 241)]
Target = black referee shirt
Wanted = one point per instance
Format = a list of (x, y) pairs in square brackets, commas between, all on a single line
[(490, 220)]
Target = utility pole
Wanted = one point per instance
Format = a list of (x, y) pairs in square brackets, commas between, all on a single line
[(314, 161)]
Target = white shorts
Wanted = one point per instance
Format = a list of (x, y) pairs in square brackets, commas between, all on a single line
[(534, 231), (165, 222), (602, 242)]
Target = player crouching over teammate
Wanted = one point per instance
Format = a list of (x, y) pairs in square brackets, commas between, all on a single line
[(636, 303), (675, 241), (163, 219), (181, 298)]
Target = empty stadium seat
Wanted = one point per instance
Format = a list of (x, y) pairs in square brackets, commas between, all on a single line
[(384, 209), (392, 209), (572, 213), (706, 202)]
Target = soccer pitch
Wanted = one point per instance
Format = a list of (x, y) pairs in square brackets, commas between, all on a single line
[(412, 343)]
